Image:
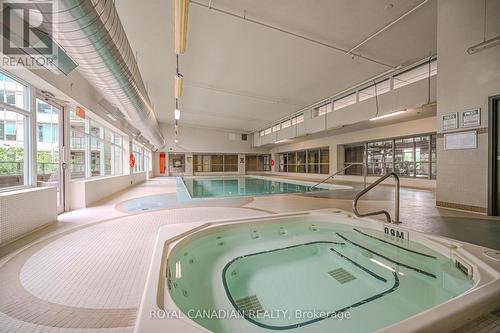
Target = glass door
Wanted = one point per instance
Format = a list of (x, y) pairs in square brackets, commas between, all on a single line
[(49, 137)]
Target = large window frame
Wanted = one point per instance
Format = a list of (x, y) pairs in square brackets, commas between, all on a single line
[(16, 101), (103, 148), (405, 155), (210, 163), (310, 161)]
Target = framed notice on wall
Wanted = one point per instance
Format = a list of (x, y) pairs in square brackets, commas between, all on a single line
[(449, 121), (471, 118), (460, 140)]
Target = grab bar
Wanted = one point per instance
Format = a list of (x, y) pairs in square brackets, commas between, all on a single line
[(386, 213), (336, 173)]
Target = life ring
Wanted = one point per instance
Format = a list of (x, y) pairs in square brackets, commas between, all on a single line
[(132, 160), (272, 162)]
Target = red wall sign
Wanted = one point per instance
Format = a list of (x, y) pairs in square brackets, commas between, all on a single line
[(272, 162)]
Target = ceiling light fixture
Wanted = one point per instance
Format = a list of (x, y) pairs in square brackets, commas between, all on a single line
[(484, 45), (110, 116), (387, 115), (179, 85), (177, 114), (181, 9)]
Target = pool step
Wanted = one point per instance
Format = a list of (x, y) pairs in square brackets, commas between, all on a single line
[(341, 275)]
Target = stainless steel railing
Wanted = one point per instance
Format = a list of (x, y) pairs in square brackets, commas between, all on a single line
[(339, 172), (378, 212)]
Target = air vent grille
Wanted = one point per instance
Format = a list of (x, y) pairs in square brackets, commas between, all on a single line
[(341, 275), (250, 305)]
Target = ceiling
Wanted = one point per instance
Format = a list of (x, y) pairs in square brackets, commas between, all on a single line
[(242, 76)]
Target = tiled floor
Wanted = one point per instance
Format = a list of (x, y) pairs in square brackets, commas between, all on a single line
[(87, 273)]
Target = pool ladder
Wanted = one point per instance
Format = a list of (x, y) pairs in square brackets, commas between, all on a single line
[(378, 212)]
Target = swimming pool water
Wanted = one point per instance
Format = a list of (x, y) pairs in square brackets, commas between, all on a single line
[(240, 186), (304, 276)]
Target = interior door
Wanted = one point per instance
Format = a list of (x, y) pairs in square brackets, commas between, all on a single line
[(49, 151)]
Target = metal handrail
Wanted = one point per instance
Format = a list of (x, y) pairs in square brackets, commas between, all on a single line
[(338, 172), (386, 213)]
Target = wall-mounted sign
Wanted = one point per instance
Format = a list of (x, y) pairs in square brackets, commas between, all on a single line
[(471, 118), (460, 140), (449, 121)]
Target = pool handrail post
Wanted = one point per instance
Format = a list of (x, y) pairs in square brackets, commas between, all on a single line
[(386, 213)]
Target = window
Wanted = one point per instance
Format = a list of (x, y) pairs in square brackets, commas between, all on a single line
[(305, 161), (286, 124), (408, 157), (258, 163), (138, 155), (322, 110), (354, 155), (302, 161), (215, 163), (374, 90), (230, 163), (47, 157), (262, 133), (268, 131), (96, 150), (416, 74), (11, 129), (78, 145), (14, 163), (344, 101), (379, 157), (148, 160), (48, 132)]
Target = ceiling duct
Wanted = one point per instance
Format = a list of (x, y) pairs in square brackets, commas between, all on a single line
[(90, 31), (133, 131), (111, 111)]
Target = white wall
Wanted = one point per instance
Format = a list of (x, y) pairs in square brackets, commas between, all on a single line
[(203, 140), (464, 82), (84, 193), (24, 211)]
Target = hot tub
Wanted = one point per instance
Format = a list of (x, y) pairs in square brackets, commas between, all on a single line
[(314, 271)]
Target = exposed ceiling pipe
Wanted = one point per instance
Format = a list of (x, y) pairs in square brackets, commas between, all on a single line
[(90, 31), (378, 32)]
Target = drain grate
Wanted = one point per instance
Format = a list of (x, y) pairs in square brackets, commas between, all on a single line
[(341, 275), (249, 306)]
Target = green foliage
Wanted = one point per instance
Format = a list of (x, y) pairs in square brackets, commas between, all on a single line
[(11, 160)]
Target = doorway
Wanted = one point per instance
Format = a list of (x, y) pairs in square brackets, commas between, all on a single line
[(494, 156), (177, 165), (49, 148)]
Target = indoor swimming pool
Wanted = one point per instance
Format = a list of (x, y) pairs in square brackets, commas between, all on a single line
[(313, 272), (228, 186)]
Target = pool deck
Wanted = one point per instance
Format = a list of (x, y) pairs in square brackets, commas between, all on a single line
[(86, 273)]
